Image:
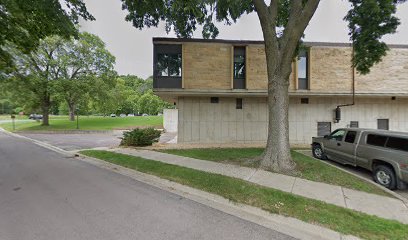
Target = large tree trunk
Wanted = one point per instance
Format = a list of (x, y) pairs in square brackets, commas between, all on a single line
[(71, 107), (276, 156), (280, 50), (46, 110)]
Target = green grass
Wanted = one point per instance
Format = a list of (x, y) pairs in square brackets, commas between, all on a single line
[(308, 167), (88, 123), (312, 211)]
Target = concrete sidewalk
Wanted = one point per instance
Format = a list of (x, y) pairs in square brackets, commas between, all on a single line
[(372, 204)]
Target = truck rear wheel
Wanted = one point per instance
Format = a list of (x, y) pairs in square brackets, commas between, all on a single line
[(385, 176)]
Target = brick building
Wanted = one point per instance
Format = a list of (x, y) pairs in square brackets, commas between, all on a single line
[(220, 90)]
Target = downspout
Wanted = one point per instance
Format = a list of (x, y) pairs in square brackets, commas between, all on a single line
[(353, 79)]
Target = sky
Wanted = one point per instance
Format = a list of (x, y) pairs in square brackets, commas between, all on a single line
[(133, 48)]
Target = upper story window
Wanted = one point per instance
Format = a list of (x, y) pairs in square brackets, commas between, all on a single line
[(167, 66), (303, 62), (239, 67)]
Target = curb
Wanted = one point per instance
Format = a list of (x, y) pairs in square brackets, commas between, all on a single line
[(286, 225), (396, 195)]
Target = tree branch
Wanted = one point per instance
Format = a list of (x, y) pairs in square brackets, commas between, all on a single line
[(299, 18)]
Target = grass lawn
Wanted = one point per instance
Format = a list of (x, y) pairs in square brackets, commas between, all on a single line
[(312, 211), (308, 167), (88, 123)]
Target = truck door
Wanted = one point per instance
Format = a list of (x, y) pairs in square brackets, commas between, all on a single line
[(347, 147), (333, 143)]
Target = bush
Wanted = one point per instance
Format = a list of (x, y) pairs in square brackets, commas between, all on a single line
[(140, 137)]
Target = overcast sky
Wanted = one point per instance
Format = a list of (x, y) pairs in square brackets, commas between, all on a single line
[(133, 48)]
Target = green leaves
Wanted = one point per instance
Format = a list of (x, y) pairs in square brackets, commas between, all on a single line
[(369, 21), (25, 22)]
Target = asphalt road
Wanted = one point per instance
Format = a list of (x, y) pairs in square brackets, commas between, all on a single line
[(44, 195)]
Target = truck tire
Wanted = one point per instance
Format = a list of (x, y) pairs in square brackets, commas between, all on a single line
[(385, 176), (318, 152)]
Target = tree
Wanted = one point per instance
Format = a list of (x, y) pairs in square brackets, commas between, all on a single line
[(61, 68), (80, 63), (25, 22), (283, 23)]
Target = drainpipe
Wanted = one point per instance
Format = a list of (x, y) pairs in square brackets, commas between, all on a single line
[(337, 111)]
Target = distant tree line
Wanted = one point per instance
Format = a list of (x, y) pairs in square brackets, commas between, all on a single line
[(72, 76)]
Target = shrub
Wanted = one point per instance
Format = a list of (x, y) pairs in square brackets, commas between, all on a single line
[(140, 137)]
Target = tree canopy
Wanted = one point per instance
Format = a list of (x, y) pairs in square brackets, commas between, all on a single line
[(25, 22)]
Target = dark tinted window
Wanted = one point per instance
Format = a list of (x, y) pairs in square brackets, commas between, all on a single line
[(350, 136), (239, 62), (376, 140), (398, 143)]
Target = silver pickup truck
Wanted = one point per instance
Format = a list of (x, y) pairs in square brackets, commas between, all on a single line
[(384, 153)]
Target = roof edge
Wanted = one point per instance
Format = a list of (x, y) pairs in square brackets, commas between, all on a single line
[(247, 42)]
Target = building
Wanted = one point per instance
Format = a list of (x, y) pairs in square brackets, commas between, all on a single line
[(220, 90)]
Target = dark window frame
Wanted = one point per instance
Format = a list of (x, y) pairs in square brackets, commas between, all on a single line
[(239, 81), (214, 100), (376, 137), (167, 81)]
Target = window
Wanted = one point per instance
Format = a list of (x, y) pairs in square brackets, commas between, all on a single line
[(323, 128), (303, 62), (350, 136), (354, 124), (238, 103), (398, 143), (383, 124), (304, 100), (338, 134), (215, 100), (239, 68), (167, 66), (376, 140)]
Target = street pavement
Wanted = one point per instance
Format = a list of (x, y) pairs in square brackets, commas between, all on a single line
[(45, 195), (72, 142)]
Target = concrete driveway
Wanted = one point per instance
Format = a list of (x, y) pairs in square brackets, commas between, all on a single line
[(73, 142), (356, 170)]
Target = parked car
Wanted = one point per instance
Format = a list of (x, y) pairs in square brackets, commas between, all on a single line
[(35, 116), (122, 115), (113, 115), (145, 114), (384, 153), (131, 115)]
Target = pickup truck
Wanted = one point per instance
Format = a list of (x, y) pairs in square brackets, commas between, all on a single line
[(384, 153)]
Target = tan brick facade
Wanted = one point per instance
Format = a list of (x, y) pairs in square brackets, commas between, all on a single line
[(209, 66)]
